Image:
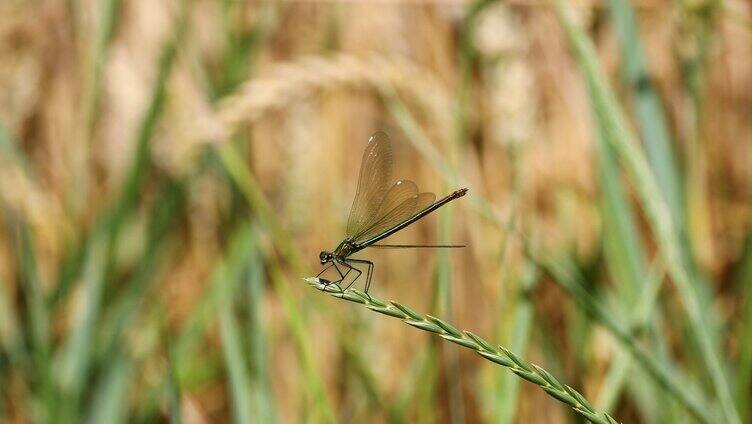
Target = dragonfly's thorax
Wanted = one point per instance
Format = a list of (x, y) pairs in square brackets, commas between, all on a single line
[(345, 249)]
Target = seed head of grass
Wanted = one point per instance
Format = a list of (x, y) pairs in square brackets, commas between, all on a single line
[(496, 354)]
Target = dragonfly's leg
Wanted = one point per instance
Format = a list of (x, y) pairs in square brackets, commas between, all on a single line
[(324, 270), (352, 268), (369, 274), (346, 274), (342, 277)]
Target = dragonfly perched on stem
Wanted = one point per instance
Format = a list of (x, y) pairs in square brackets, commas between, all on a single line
[(380, 208)]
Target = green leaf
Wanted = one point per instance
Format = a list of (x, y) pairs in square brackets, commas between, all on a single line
[(614, 122), (257, 335), (240, 385), (109, 404), (75, 356)]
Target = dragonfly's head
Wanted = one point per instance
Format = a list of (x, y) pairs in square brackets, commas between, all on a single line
[(325, 257)]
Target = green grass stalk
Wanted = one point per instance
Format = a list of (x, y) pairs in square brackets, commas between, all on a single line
[(744, 367), (256, 333), (626, 259), (112, 219), (38, 318), (523, 322), (10, 328), (662, 372), (91, 100), (650, 114), (74, 357), (314, 382), (237, 371), (498, 355), (109, 403), (659, 215)]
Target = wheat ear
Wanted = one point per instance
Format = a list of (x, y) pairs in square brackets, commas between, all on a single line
[(499, 355), (289, 82)]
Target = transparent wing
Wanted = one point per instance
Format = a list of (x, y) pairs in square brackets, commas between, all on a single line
[(400, 203), (373, 183)]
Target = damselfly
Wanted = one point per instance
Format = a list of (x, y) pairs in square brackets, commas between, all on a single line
[(381, 208)]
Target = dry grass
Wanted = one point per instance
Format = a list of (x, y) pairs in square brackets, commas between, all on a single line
[(143, 195)]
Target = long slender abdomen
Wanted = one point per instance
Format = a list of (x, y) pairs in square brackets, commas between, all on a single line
[(454, 195)]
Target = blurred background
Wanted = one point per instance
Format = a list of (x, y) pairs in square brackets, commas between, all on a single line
[(169, 171)]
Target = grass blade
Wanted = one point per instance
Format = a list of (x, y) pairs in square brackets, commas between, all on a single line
[(312, 379), (523, 321), (222, 281), (10, 328), (112, 219), (123, 311), (251, 190), (662, 372), (624, 254), (648, 109), (91, 100), (110, 402), (258, 339), (173, 390), (240, 386), (613, 120), (38, 318), (74, 357), (225, 273), (744, 369)]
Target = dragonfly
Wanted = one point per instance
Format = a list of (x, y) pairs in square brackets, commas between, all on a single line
[(381, 208)]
